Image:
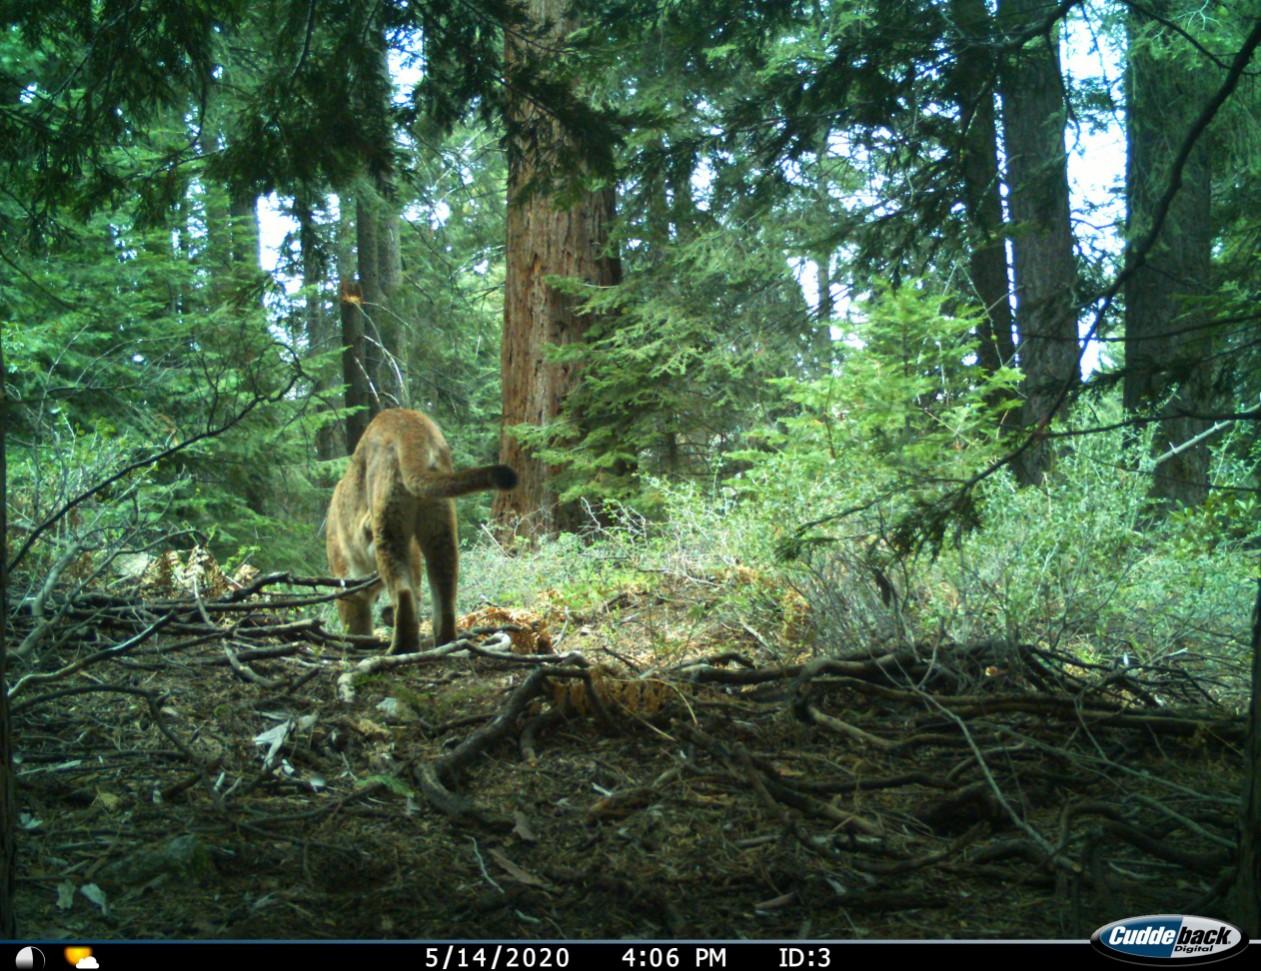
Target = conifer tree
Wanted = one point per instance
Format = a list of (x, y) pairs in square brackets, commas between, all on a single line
[(547, 237), (1044, 266), (1168, 341)]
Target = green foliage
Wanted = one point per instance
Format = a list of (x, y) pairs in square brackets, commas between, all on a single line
[(452, 248), (772, 162), (1078, 564), (79, 547), (150, 322), (391, 783), (92, 77), (128, 338), (902, 421), (1081, 564), (293, 79), (676, 369), (582, 569), (451, 300)]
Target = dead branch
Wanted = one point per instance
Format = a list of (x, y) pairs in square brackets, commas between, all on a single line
[(533, 727), (449, 766), (37, 677), (849, 731), (434, 778), (773, 788), (954, 849), (1053, 854), (80, 690), (1208, 864), (245, 672), (702, 673), (382, 662), (250, 654)]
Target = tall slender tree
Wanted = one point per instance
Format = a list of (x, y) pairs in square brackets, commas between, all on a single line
[(1034, 112), (380, 269), (354, 370), (973, 86), (377, 225), (1167, 339), (317, 323)]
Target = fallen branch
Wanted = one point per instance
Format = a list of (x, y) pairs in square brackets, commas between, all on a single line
[(385, 662), (37, 677)]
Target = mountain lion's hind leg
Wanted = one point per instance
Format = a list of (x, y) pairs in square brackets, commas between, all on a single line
[(395, 552), (436, 530)]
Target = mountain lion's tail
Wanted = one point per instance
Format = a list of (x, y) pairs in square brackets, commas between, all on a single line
[(448, 485), (424, 463)]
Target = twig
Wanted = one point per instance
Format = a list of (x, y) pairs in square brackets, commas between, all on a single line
[(148, 460), (381, 662), (37, 677), (1052, 853), (850, 731), (245, 672), (78, 690)]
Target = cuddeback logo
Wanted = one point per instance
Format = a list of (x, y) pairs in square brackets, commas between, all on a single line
[(1169, 937)]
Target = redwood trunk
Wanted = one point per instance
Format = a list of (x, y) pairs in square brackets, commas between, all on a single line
[(1042, 238), (544, 239)]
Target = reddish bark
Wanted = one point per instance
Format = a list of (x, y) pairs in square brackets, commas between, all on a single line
[(545, 239)]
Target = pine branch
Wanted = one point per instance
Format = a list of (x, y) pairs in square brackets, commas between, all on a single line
[(148, 460)]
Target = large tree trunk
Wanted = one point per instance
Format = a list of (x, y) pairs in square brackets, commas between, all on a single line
[(544, 240), (1042, 239), (973, 84), (8, 795), (1166, 344)]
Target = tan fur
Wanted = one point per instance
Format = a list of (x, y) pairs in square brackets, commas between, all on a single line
[(394, 506)]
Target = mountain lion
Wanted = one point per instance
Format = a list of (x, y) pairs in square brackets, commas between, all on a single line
[(393, 505)]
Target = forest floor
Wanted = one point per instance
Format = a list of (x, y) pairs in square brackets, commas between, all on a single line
[(652, 767)]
